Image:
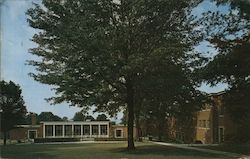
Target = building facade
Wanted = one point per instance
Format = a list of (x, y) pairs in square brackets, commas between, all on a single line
[(210, 125), (213, 123), (81, 129), (70, 129)]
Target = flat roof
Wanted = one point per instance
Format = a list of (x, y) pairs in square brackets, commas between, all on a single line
[(74, 122)]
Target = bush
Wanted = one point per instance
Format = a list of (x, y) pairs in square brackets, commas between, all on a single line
[(45, 140), (110, 139)]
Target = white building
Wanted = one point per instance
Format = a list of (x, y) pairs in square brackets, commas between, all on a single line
[(81, 129)]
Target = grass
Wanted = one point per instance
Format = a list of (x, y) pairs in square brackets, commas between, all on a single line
[(241, 149), (101, 151)]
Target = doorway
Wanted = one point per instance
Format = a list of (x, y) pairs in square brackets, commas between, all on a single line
[(221, 134), (32, 134)]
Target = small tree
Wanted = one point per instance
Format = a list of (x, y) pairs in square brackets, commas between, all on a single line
[(102, 117), (79, 116), (12, 106), (48, 116), (89, 117)]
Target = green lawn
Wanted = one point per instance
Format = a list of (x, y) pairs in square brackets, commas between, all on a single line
[(101, 151), (241, 149)]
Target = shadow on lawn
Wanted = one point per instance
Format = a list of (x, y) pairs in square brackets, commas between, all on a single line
[(26, 152), (163, 151)]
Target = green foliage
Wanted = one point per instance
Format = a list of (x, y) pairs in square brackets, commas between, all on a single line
[(79, 116), (89, 117), (48, 116), (102, 117), (113, 54), (28, 118), (12, 105), (230, 34)]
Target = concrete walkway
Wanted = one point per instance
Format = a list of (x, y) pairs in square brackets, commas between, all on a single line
[(187, 147)]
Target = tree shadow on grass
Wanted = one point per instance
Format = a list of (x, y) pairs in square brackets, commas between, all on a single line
[(26, 152), (166, 151)]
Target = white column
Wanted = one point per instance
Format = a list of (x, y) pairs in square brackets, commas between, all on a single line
[(43, 130), (72, 130), (107, 130), (54, 134), (81, 130), (90, 130), (99, 130), (63, 131)]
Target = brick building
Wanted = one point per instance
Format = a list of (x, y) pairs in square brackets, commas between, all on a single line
[(213, 122), (69, 129), (210, 125)]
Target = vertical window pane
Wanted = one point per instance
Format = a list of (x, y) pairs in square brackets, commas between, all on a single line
[(58, 130), (104, 130), (86, 130), (94, 129), (68, 130), (48, 130), (118, 133), (77, 130)]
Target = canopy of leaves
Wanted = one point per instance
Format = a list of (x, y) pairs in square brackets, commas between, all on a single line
[(12, 105), (230, 33), (102, 117), (89, 118), (79, 116), (113, 54), (90, 49), (48, 116)]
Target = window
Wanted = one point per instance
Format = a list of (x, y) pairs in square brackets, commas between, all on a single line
[(59, 130), (203, 123), (32, 134), (94, 129), (104, 130), (221, 110), (77, 130), (208, 123), (48, 130), (221, 134), (68, 130), (200, 123), (86, 130), (118, 133)]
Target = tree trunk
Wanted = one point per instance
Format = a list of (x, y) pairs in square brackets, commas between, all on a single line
[(4, 137), (138, 127), (130, 104)]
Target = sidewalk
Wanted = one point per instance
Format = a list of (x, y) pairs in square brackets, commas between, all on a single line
[(185, 146)]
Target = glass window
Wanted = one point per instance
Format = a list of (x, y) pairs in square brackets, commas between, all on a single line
[(77, 130), (118, 133), (104, 130), (208, 123), (94, 129), (68, 130), (200, 123), (221, 110), (86, 130), (48, 130), (58, 130), (204, 123)]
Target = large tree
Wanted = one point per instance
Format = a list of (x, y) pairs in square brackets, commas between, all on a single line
[(12, 106), (96, 52), (229, 32)]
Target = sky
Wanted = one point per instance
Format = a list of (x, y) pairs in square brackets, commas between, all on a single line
[(15, 43)]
